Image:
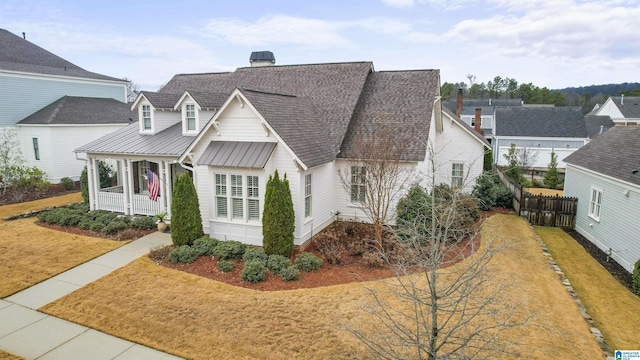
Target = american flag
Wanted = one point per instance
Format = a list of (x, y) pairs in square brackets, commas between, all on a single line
[(154, 185)]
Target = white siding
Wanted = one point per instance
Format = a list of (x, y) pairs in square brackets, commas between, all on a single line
[(609, 108), (456, 145), (543, 156), (618, 227), (163, 119), (323, 180), (57, 144)]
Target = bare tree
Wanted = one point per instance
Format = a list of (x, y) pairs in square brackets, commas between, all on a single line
[(10, 156), (376, 175), (433, 310), (133, 89), (527, 157)]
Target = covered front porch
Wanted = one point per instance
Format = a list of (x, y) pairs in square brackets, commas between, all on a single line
[(130, 194)]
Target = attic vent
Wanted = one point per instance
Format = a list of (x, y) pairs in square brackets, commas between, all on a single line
[(262, 58)]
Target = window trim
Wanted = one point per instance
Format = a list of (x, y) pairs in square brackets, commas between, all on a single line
[(595, 207), (36, 148), (185, 118), (308, 200), (361, 195), (242, 193), (143, 128), (454, 177), (224, 194)]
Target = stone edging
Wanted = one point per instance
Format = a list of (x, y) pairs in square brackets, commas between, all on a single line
[(565, 282), (33, 213)]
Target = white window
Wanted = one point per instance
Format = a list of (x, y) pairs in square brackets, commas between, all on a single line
[(358, 181), (457, 175), (253, 198), (190, 117), (221, 196), (595, 203), (232, 202), (307, 195), (146, 117)]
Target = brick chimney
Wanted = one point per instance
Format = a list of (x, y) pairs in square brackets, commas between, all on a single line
[(459, 104), (477, 121)]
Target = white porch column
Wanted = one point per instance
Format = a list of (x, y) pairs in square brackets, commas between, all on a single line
[(126, 169), (90, 182), (168, 187), (129, 181), (163, 191), (95, 171)]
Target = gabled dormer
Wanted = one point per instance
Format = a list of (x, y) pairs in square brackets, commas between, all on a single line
[(155, 111), (190, 110), (145, 114)]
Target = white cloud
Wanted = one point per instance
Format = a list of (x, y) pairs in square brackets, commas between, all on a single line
[(399, 3)]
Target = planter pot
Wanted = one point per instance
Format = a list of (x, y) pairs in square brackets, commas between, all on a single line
[(162, 226)]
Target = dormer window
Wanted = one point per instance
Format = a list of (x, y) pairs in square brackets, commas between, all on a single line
[(146, 118), (190, 114)]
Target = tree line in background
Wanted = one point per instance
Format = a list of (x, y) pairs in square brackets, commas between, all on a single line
[(509, 88)]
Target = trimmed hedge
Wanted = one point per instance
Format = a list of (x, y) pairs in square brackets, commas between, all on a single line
[(225, 266), (290, 273), (143, 223), (276, 263), (278, 220), (253, 253), (205, 245), (253, 271), (183, 254), (186, 222), (307, 262), (229, 250)]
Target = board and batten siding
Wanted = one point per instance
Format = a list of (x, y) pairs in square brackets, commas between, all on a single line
[(563, 147), (618, 227), (22, 95), (56, 144)]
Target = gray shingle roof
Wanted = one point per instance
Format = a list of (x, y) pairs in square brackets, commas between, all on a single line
[(17, 54), (208, 99), (332, 89), (399, 101), (294, 120), (162, 100), (597, 124), (631, 107), (469, 105), (540, 121), (615, 153), (73, 110), (168, 142)]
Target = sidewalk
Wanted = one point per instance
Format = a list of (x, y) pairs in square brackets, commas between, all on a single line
[(33, 335)]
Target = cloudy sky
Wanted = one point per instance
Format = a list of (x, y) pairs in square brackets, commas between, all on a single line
[(552, 43)]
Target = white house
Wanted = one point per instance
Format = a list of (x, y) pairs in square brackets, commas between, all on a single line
[(233, 130), (623, 110), (605, 177), (54, 104)]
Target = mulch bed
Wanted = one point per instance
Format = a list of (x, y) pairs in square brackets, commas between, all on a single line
[(128, 234), (618, 272)]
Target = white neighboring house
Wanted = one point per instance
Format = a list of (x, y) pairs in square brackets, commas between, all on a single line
[(231, 131), (605, 177), (40, 93), (623, 110)]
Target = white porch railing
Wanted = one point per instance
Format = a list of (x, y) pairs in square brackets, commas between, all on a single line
[(142, 205), (111, 199)]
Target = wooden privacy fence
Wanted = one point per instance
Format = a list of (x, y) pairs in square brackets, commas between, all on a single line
[(541, 210), (549, 210)]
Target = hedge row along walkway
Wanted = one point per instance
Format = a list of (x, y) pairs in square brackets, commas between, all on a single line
[(30, 334)]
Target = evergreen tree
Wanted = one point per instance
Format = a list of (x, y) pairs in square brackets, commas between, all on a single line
[(186, 222), (514, 170), (278, 221), (487, 164), (551, 178)]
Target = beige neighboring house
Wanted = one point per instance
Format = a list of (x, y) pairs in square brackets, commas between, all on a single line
[(232, 130)]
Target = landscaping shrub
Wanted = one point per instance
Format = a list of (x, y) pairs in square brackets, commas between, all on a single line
[(276, 263), (225, 266), (331, 248), (67, 183), (229, 250), (485, 190), (504, 198), (357, 247), (414, 210), (205, 245), (106, 218), (183, 254), (635, 278), (253, 271), (96, 227), (373, 260), (128, 234), (551, 177), (278, 222), (307, 262), (114, 227), (143, 223), (254, 253), (186, 222), (85, 224), (30, 179), (290, 273), (106, 179)]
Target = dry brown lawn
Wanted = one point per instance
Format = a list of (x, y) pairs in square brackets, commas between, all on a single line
[(545, 192), (19, 208), (198, 318), (614, 309), (6, 356)]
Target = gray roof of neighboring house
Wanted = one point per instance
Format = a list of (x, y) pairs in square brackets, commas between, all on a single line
[(540, 121), (332, 89), (631, 107), (398, 101), (168, 142), (470, 128), (615, 153), (73, 110), (469, 105), (18, 54), (237, 154), (597, 124)]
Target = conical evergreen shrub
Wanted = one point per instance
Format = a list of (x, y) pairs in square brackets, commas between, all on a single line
[(186, 222), (278, 221)]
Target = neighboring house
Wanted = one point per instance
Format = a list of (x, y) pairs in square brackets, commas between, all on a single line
[(541, 130), (50, 135), (597, 124), (32, 79), (231, 131), (605, 177), (468, 110), (623, 110)]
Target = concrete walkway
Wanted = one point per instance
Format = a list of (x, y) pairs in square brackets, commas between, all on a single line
[(33, 335)]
